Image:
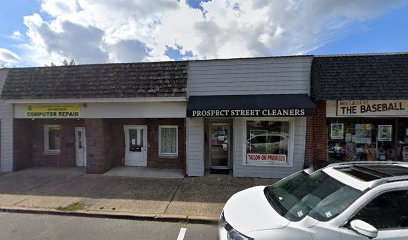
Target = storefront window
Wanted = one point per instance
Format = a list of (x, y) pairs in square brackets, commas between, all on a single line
[(359, 139), (168, 140), (52, 139), (267, 142)]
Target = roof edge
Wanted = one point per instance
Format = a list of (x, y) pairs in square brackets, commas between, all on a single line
[(99, 100)]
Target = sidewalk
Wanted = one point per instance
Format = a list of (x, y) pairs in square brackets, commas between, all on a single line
[(69, 191)]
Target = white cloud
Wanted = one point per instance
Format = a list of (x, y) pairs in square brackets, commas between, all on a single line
[(16, 35), (142, 30), (7, 57)]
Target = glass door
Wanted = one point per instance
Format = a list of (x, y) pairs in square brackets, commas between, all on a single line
[(219, 145)]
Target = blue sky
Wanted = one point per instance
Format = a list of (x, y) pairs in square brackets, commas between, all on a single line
[(38, 32), (387, 33)]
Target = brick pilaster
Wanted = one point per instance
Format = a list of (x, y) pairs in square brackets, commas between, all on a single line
[(317, 135)]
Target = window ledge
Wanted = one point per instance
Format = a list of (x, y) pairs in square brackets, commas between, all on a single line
[(168, 156), (52, 153)]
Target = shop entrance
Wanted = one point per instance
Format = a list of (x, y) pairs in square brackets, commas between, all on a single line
[(219, 145), (136, 145)]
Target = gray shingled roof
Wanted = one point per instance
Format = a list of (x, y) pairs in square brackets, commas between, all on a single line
[(123, 80), (362, 77)]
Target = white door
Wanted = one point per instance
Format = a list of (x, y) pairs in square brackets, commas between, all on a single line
[(80, 146), (136, 145)]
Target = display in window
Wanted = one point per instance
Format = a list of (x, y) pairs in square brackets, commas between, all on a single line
[(267, 141), (384, 133), (337, 131), (369, 141), (363, 133)]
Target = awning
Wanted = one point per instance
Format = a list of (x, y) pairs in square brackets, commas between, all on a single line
[(270, 105)]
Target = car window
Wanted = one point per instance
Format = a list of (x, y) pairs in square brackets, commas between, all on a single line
[(317, 195), (258, 139), (388, 210), (274, 139)]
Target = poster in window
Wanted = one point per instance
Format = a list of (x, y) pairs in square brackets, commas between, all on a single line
[(337, 131), (348, 137), (363, 133), (384, 133)]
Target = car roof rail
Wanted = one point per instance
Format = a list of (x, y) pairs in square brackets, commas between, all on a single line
[(382, 181), (368, 163)]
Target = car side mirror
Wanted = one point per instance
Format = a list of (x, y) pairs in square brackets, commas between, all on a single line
[(364, 228)]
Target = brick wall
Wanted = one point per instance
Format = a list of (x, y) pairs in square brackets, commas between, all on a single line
[(317, 134), (66, 158), (98, 145), (153, 160), (105, 141)]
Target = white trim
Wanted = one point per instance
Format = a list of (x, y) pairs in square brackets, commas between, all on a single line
[(83, 135), (47, 143), (99, 100), (291, 142), (168, 154)]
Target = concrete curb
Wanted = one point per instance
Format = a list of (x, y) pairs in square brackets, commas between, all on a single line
[(117, 215)]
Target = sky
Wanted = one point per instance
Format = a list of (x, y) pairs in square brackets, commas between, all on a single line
[(41, 32)]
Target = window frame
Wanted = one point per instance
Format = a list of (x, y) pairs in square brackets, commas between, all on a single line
[(48, 151), (291, 142), (161, 154)]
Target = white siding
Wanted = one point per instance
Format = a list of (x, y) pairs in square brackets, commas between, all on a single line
[(281, 75), (195, 146), (242, 170), (6, 115)]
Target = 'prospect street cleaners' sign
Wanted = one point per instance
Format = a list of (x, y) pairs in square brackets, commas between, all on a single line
[(248, 113), (372, 108), (52, 110)]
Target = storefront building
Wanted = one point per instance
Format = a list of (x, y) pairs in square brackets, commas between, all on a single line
[(256, 117), (362, 103), (95, 116), (248, 116)]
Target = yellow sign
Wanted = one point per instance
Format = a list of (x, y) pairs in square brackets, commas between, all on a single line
[(52, 110)]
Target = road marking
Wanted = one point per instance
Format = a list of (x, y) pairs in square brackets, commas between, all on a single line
[(182, 233)]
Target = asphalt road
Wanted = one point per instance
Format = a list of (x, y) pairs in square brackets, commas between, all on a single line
[(18, 226)]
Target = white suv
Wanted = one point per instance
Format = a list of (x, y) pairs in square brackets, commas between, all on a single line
[(355, 200)]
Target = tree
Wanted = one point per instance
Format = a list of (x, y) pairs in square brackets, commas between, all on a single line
[(64, 63)]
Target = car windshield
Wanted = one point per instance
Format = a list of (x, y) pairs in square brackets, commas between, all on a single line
[(317, 195)]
